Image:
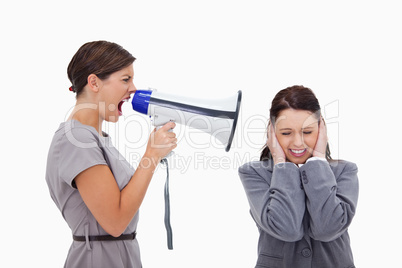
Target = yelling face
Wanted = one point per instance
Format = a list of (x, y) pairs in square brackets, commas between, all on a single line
[(297, 133), (115, 91)]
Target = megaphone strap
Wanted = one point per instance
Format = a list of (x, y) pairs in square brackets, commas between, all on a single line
[(167, 207)]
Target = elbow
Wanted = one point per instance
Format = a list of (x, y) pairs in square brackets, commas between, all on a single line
[(116, 234), (325, 237), (284, 232), (290, 235), (328, 234), (115, 225), (330, 230), (115, 229), (286, 236)]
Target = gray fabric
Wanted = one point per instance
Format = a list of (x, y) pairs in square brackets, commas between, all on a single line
[(302, 213), (76, 147)]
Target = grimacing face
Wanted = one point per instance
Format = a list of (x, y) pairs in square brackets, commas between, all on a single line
[(297, 134)]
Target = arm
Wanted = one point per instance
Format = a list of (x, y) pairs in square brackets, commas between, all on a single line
[(277, 205), (331, 200), (276, 199), (112, 208)]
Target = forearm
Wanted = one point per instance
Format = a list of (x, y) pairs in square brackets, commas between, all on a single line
[(132, 196), (285, 209), (331, 202), (277, 203), (113, 207)]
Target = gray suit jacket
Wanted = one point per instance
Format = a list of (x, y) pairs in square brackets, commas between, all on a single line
[(302, 213)]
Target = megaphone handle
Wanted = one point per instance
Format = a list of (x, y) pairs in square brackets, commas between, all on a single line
[(171, 152)]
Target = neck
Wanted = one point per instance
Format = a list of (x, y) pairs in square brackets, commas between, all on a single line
[(87, 113)]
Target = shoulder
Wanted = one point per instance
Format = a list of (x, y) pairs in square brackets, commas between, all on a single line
[(340, 167), (76, 134), (256, 167)]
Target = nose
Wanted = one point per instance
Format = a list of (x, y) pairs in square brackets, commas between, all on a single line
[(298, 141), (132, 88)]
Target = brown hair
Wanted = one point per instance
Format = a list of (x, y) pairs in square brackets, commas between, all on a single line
[(298, 98), (101, 58)]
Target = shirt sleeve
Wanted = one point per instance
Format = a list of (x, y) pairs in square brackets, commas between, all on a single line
[(316, 158), (331, 199), (79, 150), (277, 204)]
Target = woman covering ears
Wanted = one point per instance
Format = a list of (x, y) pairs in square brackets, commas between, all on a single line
[(301, 200)]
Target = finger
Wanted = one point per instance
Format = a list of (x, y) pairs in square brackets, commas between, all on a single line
[(168, 126), (171, 144), (169, 139), (324, 125), (322, 121), (171, 134), (174, 143), (272, 132), (270, 129)]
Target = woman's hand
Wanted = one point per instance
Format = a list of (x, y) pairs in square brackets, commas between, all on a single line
[(322, 140), (161, 141), (277, 152)]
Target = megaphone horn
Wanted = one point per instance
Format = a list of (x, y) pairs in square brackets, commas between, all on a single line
[(219, 116)]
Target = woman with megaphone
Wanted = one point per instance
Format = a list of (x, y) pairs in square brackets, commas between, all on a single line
[(95, 188), (301, 199)]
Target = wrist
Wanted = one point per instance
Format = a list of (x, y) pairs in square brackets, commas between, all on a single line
[(279, 160), (149, 160), (319, 155)]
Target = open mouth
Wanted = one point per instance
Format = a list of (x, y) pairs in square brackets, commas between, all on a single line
[(298, 153), (119, 106)]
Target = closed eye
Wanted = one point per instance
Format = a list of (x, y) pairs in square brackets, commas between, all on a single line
[(307, 132), (285, 133)]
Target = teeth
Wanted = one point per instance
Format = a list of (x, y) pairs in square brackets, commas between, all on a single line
[(126, 100), (298, 151)]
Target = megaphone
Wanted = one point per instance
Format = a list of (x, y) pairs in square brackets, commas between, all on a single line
[(218, 117)]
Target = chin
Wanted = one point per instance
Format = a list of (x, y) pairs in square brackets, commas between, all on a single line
[(112, 119), (297, 161)]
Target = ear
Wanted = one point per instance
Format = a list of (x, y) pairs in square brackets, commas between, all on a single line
[(93, 82)]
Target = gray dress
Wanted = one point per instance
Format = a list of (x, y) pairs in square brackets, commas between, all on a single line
[(76, 147)]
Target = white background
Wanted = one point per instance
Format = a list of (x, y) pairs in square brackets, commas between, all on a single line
[(348, 52)]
